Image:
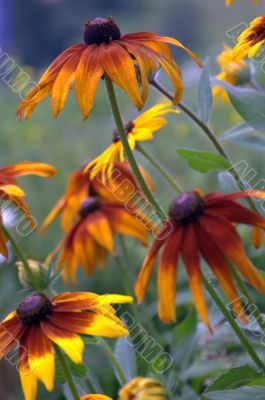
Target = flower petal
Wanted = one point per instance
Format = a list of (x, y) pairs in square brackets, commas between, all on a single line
[(99, 228), (12, 190), (95, 397), (190, 255), (29, 168)]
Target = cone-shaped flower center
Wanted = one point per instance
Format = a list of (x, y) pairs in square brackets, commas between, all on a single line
[(88, 206), (128, 127), (34, 309), (186, 208), (101, 30)]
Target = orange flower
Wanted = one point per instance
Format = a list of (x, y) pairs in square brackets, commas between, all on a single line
[(39, 322), (95, 397), (120, 187), (106, 51), (251, 39), (10, 192), (202, 225), (90, 240), (230, 2)]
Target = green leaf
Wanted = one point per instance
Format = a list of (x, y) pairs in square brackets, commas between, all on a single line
[(248, 102), (246, 136), (184, 340), (204, 95), (125, 355), (233, 378), (244, 393), (204, 161)]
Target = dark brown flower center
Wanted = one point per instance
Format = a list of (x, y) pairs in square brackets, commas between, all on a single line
[(128, 127), (34, 309), (88, 206), (101, 30), (186, 208)]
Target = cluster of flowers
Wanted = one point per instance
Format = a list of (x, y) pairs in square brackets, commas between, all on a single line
[(103, 199)]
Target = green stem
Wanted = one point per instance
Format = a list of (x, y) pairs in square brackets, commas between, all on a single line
[(253, 308), (210, 134), (113, 360), (21, 256), (67, 373), (128, 151), (159, 168), (89, 385), (245, 343)]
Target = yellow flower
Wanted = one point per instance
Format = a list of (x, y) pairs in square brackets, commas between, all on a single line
[(251, 39), (233, 71), (39, 322), (230, 2), (143, 389), (138, 130)]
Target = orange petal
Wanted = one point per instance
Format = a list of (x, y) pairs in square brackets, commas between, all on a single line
[(99, 228), (166, 279), (257, 237), (190, 255), (12, 190), (29, 168), (119, 67), (88, 74), (57, 209), (95, 397)]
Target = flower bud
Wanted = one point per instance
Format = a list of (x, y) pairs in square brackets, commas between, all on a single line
[(40, 271), (143, 389)]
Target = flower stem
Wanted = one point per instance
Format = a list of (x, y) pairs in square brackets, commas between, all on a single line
[(245, 343), (159, 167), (113, 360), (20, 254), (251, 305), (128, 151), (210, 134), (67, 373)]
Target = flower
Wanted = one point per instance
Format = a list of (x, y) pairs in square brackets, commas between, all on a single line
[(12, 194), (106, 51), (251, 39), (40, 322), (143, 389), (95, 397), (202, 225), (230, 2), (39, 269), (138, 130), (233, 71), (120, 187), (90, 240)]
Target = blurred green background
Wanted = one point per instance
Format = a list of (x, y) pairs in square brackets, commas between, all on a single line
[(33, 32)]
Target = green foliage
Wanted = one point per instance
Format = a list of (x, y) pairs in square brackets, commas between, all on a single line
[(204, 161), (204, 95)]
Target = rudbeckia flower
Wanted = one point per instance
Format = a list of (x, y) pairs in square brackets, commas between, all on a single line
[(12, 194), (120, 187), (95, 397), (143, 389), (233, 71), (138, 130), (251, 39), (91, 239), (39, 322), (230, 2), (202, 225), (126, 59)]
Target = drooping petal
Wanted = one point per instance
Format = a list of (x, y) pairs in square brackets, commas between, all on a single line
[(229, 243), (257, 236), (11, 330), (85, 247), (123, 222), (147, 269), (190, 255), (95, 397), (88, 74), (12, 190), (98, 227), (63, 83), (69, 342), (28, 380), (41, 357), (57, 209), (218, 264), (29, 168), (116, 60), (166, 279)]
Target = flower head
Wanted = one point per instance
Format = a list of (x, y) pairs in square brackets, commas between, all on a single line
[(40, 322), (12, 194), (230, 2), (202, 225), (91, 239), (233, 70), (138, 130), (251, 39), (120, 187), (143, 389), (106, 51)]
